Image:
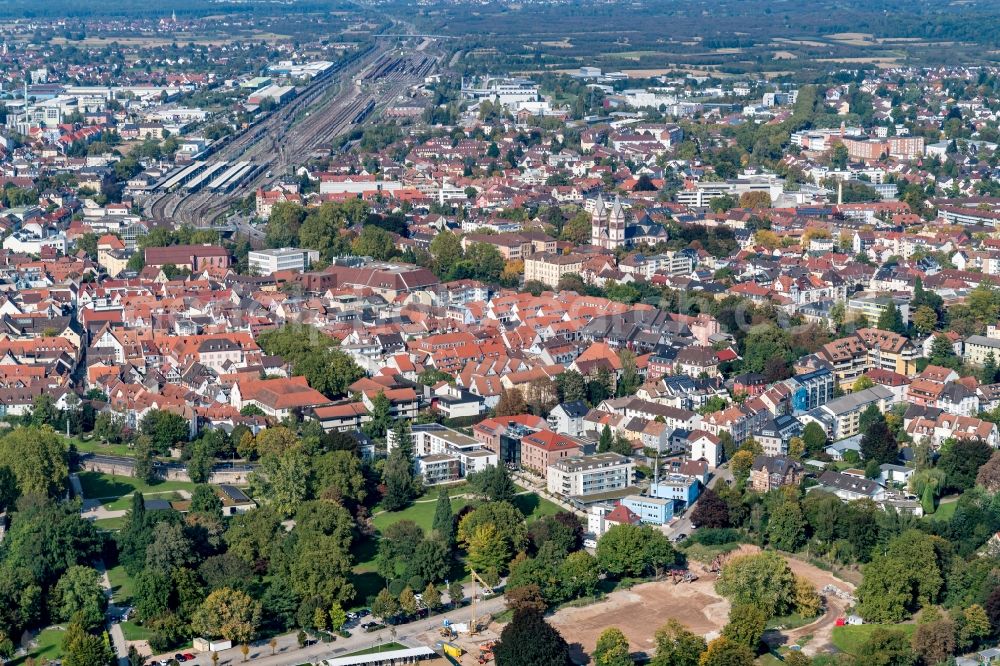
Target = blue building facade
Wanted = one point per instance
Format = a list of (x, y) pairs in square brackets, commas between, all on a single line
[(651, 510)]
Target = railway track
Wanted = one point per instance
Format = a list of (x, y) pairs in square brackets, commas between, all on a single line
[(284, 138)]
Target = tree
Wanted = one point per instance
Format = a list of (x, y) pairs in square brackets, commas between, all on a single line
[(756, 199), (432, 597), (890, 319), (746, 625), (634, 551), (861, 383), (374, 242), (37, 457), (82, 649), (629, 380), (934, 641), (814, 437), (400, 483), (385, 605), (741, 464), (165, 429), (725, 652), (338, 617), (283, 480), (925, 319), (446, 249), (313, 355), (79, 596), (444, 520), (710, 510), (907, 575), (229, 614), (886, 647), (407, 601), (606, 440), (493, 484), (974, 627), (579, 575), (135, 658), (612, 649), (676, 646), (170, 547), (511, 403), (205, 500), (528, 640), (487, 549), (807, 602), (786, 527), (571, 386), (961, 461), (762, 579), (381, 416), (879, 444), (456, 593)]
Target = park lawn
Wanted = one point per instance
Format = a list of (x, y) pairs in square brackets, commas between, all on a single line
[(421, 512), (109, 487), (121, 585), (851, 637), (125, 503), (534, 506), (48, 646), (110, 524), (134, 632), (99, 447), (384, 647)]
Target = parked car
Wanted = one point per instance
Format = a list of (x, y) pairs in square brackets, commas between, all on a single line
[(188, 656), (180, 657)]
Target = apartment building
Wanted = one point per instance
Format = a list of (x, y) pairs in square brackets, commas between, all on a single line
[(840, 417), (442, 454), (870, 349), (582, 476)]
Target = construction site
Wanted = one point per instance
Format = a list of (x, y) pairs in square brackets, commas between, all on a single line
[(469, 636)]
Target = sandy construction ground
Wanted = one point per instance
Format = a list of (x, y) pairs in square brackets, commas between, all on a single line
[(640, 611)]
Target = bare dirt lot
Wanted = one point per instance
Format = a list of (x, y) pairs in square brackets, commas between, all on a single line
[(640, 611)]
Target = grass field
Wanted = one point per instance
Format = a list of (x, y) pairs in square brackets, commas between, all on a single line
[(108, 487), (125, 503), (133, 632), (49, 646), (110, 524), (121, 584), (945, 510), (421, 512), (96, 446), (384, 647), (850, 638)]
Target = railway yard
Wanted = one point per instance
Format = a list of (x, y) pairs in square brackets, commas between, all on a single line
[(354, 93)]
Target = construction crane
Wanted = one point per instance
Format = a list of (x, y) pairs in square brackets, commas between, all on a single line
[(476, 582)]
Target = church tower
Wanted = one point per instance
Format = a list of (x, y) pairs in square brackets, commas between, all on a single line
[(616, 225), (598, 222)]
